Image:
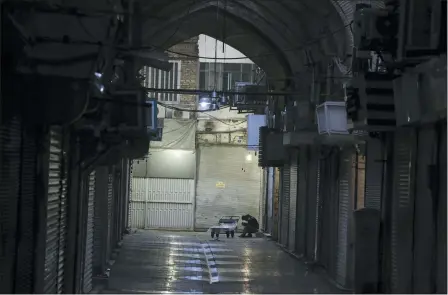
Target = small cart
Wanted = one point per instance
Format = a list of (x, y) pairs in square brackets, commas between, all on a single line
[(227, 225)]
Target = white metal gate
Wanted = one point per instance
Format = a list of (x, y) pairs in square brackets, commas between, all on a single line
[(162, 203)]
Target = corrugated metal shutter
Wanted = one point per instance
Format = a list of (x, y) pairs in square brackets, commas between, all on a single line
[(285, 198), (56, 217), (424, 235), (27, 213), (263, 199), (100, 221), (10, 142), (311, 204), (88, 258), (441, 255), (345, 210), (110, 196), (318, 208), (162, 203), (232, 168), (374, 174), (301, 219), (402, 211), (294, 160)]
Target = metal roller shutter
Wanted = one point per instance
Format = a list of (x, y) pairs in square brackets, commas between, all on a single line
[(311, 204), (424, 235), (318, 208), (374, 174), (56, 217), (88, 258), (27, 214), (100, 221), (284, 212), (402, 211), (10, 142), (294, 159), (228, 183), (441, 261), (301, 219), (110, 195), (346, 191)]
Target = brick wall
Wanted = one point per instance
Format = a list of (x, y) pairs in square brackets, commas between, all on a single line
[(189, 68)]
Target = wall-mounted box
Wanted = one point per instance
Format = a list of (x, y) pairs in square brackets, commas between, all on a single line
[(331, 118)]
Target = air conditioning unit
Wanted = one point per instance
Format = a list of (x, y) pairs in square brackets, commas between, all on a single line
[(375, 29), (132, 114), (370, 102), (271, 152)]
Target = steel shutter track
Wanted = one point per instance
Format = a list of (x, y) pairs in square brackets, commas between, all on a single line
[(56, 217), (10, 142), (301, 219), (88, 258), (345, 209), (374, 174), (293, 199), (27, 213), (284, 225), (402, 211), (241, 177)]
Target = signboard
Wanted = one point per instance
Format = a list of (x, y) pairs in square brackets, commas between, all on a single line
[(220, 184)]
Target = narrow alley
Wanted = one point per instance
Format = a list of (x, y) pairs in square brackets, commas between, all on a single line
[(188, 262)]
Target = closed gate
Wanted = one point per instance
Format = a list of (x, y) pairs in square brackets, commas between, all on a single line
[(56, 217), (284, 205), (293, 199), (403, 211), (162, 203), (88, 258), (10, 142), (302, 196)]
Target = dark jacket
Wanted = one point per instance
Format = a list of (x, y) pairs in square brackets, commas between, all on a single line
[(251, 221)]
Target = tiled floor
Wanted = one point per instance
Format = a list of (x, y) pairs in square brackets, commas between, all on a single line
[(165, 262)]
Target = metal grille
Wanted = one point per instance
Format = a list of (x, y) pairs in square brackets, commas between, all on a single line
[(10, 141), (374, 174), (311, 204), (56, 218), (284, 224), (27, 211), (402, 212), (293, 199), (88, 259), (345, 209)]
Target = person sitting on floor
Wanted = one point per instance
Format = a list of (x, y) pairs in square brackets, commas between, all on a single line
[(250, 224)]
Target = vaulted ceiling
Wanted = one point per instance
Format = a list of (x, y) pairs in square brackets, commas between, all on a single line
[(284, 37)]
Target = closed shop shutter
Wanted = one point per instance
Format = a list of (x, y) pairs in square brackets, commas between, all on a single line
[(88, 258), (441, 255), (311, 204), (294, 159), (228, 183), (56, 217), (318, 208), (329, 194), (270, 200), (301, 220), (100, 221), (276, 203), (10, 142), (27, 213), (284, 203), (263, 199), (345, 209), (110, 195), (162, 203), (402, 211), (424, 235), (374, 174)]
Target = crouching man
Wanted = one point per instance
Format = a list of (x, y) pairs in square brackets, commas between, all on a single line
[(250, 224)]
